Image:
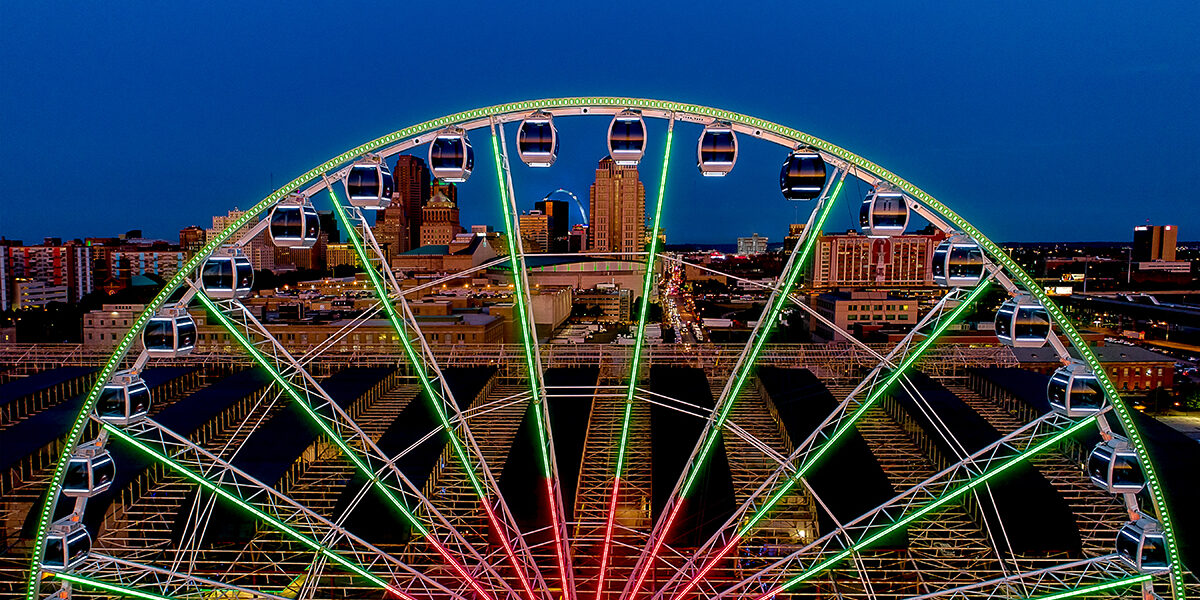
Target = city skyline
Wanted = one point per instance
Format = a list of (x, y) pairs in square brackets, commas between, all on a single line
[(970, 111)]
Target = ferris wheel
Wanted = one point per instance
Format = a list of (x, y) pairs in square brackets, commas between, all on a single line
[(414, 497)]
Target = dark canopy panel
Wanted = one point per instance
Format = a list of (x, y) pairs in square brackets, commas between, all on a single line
[(374, 519), (848, 479), (269, 452), (522, 483), (1176, 459), (1029, 388), (41, 429), (184, 417), (19, 388), (673, 436), (1035, 517)]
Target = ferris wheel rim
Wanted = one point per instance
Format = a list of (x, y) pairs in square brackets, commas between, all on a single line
[(502, 113)]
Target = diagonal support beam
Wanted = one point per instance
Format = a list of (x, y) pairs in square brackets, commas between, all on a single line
[(634, 369), (472, 462), (908, 514), (257, 512), (533, 363), (733, 387), (360, 464), (748, 518)]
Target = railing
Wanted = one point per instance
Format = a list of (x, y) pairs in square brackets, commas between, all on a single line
[(716, 359)]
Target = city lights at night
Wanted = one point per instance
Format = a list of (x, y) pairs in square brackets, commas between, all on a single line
[(380, 301)]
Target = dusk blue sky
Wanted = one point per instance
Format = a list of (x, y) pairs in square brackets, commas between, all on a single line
[(1045, 121)]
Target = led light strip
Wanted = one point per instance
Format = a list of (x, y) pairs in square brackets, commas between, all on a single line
[(253, 510), (1092, 589), (635, 369), (767, 327), (811, 460), (348, 452), (517, 264), (928, 508), (434, 398)]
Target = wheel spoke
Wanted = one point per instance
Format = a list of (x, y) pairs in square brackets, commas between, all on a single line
[(724, 404), (635, 369), (443, 402), (807, 455), (914, 504), (341, 430), (533, 363), (249, 495)]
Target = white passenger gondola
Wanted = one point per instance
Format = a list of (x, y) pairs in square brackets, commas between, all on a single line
[(627, 137), (170, 333), (716, 151), (67, 545), (802, 176), (90, 471), (451, 158), (1022, 322), (884, 212), (1114, 467), (1141, 544), (294, 223), (227, 274), (957, 262), (369, 183), (537, 140), (124, 400), (1075, 391)]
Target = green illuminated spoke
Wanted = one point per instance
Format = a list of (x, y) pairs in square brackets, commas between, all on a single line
[(537, 386), (133, 578), (1067, 580), (305, 400), (441, 398), (250, 508), (733, 387), (180, 454), (788, 477), (943, 489)]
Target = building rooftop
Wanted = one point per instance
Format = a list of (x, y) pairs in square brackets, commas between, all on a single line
[(1106, 354)]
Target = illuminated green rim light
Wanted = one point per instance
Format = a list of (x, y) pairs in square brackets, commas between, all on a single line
[(515, 108)]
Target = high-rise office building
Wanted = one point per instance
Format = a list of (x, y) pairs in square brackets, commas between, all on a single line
[(535, 231), (617, 222), (1154, 242), (399, 225), (755, 244), (439, 220), (559, 222)]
